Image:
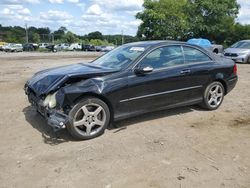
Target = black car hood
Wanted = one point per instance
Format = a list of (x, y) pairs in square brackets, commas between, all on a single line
[(49, 80)]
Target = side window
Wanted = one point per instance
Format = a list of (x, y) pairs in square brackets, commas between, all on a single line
[(193, 55), (164, 57)]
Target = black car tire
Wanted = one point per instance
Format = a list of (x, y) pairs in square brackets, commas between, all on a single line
[(80, 132), (207, 96)]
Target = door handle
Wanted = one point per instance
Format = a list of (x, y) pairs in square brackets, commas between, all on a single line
[(186, 71)]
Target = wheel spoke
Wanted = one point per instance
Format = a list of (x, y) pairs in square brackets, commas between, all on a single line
[(99, 122), (98, 110), (217, 89), (80, 122), (210, 100), (85, 110), (219, 95), (88, 129)]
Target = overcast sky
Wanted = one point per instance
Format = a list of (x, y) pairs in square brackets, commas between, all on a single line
[(83, 16)]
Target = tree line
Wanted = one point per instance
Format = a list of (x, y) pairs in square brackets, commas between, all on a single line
[(17, 34), (185, 19), (161, 20)]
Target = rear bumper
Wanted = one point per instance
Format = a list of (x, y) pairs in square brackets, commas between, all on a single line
[(231, 83)]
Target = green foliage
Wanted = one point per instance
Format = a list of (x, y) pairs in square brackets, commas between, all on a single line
[(95, 35), (98, 42), (70, 37), (163, 19), (212, 19), (183, 19)]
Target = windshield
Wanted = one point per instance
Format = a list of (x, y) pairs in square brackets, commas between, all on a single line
[(241, 44), (120, 57)]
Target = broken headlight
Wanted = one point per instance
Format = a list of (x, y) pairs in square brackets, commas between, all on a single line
[(50, 100)]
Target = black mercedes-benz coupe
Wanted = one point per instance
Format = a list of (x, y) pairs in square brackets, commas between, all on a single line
[(132, 79)]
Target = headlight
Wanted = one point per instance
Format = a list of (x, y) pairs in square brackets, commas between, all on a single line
[(50, 100), (241, 54)]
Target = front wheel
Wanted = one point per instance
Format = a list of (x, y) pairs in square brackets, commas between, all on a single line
[(89, 118), (213, 96)]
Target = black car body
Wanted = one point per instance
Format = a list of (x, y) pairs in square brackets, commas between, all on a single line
[(142, 85), (88, 47), (30, 47)]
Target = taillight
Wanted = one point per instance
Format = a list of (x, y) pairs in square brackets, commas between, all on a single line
[(235, 69)]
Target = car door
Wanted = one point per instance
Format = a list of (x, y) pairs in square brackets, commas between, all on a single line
[(200, 65), (167, 84)]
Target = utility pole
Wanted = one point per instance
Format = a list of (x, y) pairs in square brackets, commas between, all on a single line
[(27, 34), (122, 38)]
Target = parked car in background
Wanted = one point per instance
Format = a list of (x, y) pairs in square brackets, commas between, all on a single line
[(1, 45), (239, 52), (51, 47), (12, 47), (30, 47), (130, 80), (63, 46), (88, 47), (98, 48), (43, 45), (205, 43), (104, 48), (75, 46), (107, 48)]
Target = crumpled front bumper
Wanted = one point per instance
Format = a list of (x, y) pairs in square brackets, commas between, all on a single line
[(55, 118)]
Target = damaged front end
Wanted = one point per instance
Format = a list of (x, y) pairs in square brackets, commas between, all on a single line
[(48, 108), (44, 90)]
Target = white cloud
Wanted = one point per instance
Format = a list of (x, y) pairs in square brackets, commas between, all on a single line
[(16, 2), (56, 1), (54, 15), (244, 14), (73, 1), (121, 5), (15, 13), (94, 10)]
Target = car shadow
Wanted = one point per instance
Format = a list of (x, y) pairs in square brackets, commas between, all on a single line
[(48, 134), (54, 138), (122, 124)]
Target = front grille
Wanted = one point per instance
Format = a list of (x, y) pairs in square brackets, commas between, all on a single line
[(231, 54)]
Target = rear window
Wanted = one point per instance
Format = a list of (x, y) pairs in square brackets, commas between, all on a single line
[(193, 55)]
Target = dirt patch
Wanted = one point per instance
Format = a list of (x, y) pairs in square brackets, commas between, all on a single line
[(184, 147)]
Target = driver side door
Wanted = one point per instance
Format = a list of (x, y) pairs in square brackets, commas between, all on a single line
[(167, 84)]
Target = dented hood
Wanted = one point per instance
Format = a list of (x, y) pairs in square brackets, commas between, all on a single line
[(49, 80)]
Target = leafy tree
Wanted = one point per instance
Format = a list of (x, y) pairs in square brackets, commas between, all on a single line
[(212, 19), (60, 33), (70, 37), (95, 35), (35, 38), (162, 19)]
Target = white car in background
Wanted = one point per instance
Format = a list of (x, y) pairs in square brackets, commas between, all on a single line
[(63, 46), (12, 47), (239, 52), (75, 46), (43, 45)]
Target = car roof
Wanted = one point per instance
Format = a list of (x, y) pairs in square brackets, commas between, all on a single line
[(154, 43)]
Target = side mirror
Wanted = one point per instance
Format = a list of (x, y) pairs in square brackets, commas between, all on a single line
[(144, 70)]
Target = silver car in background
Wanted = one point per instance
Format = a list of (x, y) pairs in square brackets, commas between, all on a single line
[(239, 52)]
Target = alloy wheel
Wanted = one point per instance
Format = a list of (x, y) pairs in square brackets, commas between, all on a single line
[(215, 96), (89, 119)]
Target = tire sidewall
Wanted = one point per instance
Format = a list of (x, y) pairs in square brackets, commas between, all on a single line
[(75, 109), (206, 93)]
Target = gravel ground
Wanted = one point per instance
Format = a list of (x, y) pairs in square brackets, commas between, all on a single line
[(184, 147)]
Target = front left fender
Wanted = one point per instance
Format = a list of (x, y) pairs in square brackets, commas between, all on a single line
[(68, 95)]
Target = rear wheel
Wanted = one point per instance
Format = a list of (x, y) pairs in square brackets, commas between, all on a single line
[(213, 96), (89, 118)]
